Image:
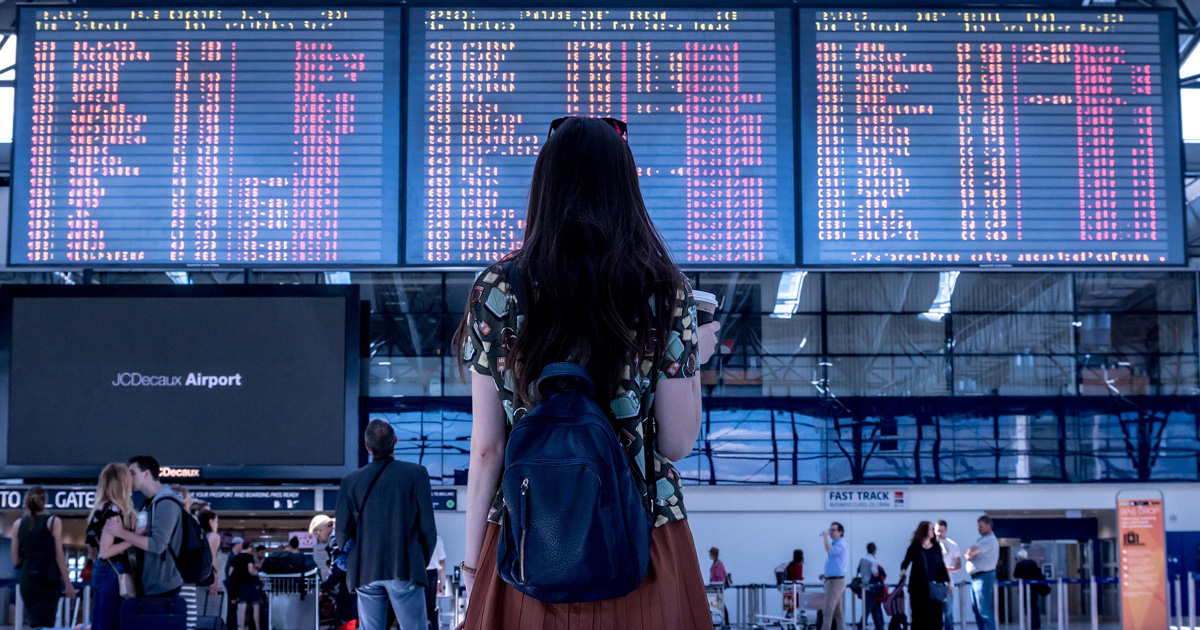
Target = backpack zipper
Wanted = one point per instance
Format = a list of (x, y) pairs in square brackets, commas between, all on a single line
[(524, 527)]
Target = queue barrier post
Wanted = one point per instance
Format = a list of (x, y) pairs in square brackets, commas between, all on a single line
[(1021, 613), (1061, 596), (1094, 596), (962, 606), (1178, 591), (1192, 601)]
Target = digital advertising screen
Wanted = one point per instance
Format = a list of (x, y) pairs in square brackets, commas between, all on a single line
[(172, 136), (990, 137), (707, 95), (232, 382)]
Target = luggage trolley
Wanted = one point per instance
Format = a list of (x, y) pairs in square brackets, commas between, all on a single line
[(796, 600), (716, 604), (292, 600)]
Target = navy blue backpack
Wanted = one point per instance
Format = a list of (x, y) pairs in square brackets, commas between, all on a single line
[(575, 527)]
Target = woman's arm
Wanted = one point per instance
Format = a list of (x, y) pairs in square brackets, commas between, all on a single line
[(61, 556), (118, 531), (15, 548), (908, 559), (214, 545), (109, 546), (488, 439), (677, 402)]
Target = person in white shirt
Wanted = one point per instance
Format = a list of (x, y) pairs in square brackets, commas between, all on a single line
[(954, 563), (436, 572), (868, 568), (982, 559)]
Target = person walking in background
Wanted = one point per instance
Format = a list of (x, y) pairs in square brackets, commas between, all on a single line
[(836, 566), (114, 500), (210, 524), (321, 527), (794, 571), (593, 284), (244, 580), (164, 516), (435, 577), (929, 584), (954, 563), (386, 509), (982, 559), (38, 552), (1028, 570), (186, 496), (716, 572), (868, 574)]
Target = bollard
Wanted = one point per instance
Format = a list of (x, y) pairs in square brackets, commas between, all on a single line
[(1095, 603), (1061, 597), (1178, 590), (1192, 601), (962, 605), (1022, 613)]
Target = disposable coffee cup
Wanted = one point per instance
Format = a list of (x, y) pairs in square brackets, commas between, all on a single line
[(706, 306)]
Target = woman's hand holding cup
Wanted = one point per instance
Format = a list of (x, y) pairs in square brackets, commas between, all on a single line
[(706, 308)]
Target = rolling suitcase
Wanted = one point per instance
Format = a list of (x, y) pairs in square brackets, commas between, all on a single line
[(205, 617), (154, 613)]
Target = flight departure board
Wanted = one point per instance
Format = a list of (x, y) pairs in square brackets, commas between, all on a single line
[(706, 93), (225, 136), (990, 137)]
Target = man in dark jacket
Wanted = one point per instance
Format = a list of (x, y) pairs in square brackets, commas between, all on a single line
[(385, 512), (1027, 570)]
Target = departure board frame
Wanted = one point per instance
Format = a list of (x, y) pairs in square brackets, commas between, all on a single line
[(1172, 128), (413, 18), (392, 208)]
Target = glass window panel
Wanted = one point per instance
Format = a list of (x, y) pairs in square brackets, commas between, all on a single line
[(888, 376), (734, 375), (1137, 333), (417, 334), (1112, 292), (1116, 375), (1012, 292), (1019, 375), (880, 292), (799, 334), (791, 376), (389, 377), (1013, 334), (885, 334), (1178, 375), (740, 292), (7, 95), (458, 286), (402, 292)]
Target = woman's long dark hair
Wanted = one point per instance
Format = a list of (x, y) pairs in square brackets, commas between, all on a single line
[(590, 264), (921, 534)]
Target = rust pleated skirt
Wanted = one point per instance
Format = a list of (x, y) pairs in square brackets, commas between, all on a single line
[(671, 597)]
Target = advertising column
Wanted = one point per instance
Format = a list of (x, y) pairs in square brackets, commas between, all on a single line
[(1143, 563)]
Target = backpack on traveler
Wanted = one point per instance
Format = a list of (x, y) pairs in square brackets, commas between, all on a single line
[(574, 526), (194, 559)]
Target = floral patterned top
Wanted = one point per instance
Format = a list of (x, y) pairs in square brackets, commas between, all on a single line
[(494, 321)]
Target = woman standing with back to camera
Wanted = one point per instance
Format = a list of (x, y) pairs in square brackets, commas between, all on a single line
[(593, 285)]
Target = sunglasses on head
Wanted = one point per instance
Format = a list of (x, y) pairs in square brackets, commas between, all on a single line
[(615, 123)]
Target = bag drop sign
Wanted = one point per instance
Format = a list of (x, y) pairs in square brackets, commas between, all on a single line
[(866, 499)]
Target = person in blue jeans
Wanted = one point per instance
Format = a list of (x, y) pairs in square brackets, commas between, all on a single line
[(385, 515), (114, 492), (982, 559)]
